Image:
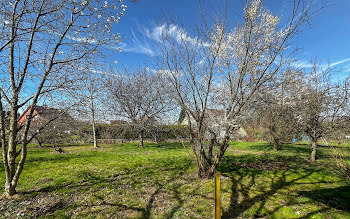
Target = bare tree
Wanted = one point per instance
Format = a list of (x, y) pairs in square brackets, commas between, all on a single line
[(324, 105), (220, 69), (276, 107), (140, 96), (40, 40), (89, 92)]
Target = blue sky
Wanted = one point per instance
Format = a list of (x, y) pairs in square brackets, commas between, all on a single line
[(327, 38)]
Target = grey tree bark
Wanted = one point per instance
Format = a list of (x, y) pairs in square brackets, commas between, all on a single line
[(313, 151)]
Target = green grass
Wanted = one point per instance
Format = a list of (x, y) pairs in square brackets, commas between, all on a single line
[(159, 181)]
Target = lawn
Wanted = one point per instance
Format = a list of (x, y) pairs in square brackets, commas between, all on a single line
[(159, 181)]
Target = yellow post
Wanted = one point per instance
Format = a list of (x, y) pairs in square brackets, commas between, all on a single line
[(217, 196)]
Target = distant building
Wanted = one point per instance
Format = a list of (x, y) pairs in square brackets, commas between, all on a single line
[(58, 124), (44, 113), (215, 120)]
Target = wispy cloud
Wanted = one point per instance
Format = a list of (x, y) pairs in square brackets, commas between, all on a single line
[(143, 39), (139, 42), (339, 62), (137, 47), (174, 31), (307, 64)]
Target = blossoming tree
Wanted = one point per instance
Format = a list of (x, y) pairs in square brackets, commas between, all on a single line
[(222, 68)]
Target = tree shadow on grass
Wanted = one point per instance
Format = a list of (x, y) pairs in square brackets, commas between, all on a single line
[(169, 187), (338, 198), (175, 171), (303, 150), (146, 212), (246, 193), (266, 147)]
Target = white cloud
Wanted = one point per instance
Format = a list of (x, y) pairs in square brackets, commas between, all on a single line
[(137, 48), (138, 43), (339, 62), (307, 64), (143, 41), (174, 31)]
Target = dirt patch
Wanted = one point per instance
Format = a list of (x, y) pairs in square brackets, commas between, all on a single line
[(263, 165), (238, 151), (31, 207), (44, 207)]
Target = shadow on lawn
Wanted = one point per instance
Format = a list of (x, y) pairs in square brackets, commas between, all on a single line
[(169, 186), (146, 212), (283, 147), (244, 175), (128, 179), (303, 150), (338, 198)]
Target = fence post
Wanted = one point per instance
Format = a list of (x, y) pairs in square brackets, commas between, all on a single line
[(217, 195)]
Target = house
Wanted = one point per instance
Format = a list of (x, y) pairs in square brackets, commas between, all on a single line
[(58, 124), (44, 113), (215, 120)]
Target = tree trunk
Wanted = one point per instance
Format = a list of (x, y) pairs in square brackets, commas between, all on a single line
[(206, 161), (9, 189), (275, 144), (155, 137), (39, 142), (10, 149), (141, 136), (204, 165), (92, 108), (313, 152), (94, 134), (205, 172)]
